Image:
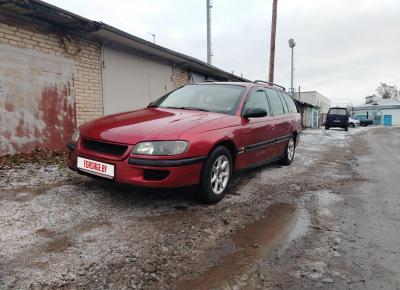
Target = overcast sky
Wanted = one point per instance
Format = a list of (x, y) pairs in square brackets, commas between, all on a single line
[(344, 48)]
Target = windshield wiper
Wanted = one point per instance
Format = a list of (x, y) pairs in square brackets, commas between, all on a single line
[(195, 109), (189, 108)]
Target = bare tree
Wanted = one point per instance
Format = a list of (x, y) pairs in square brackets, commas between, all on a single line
[(386, 91)]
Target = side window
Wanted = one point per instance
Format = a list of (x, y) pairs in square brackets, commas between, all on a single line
[(275, 101), (290, 103), (285, 106), (257, 99)]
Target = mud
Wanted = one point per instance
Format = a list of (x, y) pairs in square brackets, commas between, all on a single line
[(255, 240), (276, 229)]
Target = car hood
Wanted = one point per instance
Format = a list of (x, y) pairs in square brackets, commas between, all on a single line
[(146, 124)]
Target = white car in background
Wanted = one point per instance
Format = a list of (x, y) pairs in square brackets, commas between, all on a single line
[(353, 122)]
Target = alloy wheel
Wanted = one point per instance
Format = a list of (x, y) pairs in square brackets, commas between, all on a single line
[(290, 149), (220, 174)]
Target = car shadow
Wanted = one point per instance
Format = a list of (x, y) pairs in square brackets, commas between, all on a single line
[(177, 198), (242, 178), (129, 195)]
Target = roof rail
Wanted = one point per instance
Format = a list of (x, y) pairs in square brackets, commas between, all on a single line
[(269, 83)]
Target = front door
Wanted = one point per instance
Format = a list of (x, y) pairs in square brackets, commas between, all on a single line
[(387, 120), (256, 133), (315, 119)]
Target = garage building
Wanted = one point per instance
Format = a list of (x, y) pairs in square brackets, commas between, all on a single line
[(384, 112), (58, 70)]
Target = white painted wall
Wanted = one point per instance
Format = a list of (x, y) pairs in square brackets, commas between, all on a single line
[(394, 112), (395, 116), (132, 82)]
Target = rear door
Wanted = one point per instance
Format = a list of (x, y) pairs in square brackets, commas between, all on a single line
[(281, 119), (257, 133)]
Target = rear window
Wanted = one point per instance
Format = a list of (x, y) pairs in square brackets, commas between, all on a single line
[(341, 112)]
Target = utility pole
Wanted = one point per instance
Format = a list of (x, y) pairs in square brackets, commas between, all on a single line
[(292, 44), (209, 53), (273, 36)]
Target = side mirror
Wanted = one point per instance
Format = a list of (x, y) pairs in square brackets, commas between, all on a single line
[(255, 113)]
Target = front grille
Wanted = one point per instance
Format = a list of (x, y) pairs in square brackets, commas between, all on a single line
[(103, 147)]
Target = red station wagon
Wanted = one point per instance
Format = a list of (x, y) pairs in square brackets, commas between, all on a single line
[(197, 134)]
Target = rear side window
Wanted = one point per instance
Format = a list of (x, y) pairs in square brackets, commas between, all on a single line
[(341, 112), (257, 99), (285, 106), (290, 103), (275, 102)]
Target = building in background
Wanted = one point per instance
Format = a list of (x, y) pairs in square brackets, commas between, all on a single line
[(59, 70), (316, 99), (318, 102), (384, 112), (309, 114)]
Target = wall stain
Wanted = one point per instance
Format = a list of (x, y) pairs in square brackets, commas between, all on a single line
[(37, 105)]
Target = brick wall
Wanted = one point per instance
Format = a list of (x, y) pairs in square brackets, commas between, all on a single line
[(87, 63), (180, 77)]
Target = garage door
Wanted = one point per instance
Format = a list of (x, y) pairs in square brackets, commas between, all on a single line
[(36, 100), (131, 82)]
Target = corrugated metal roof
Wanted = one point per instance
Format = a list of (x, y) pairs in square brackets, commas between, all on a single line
[(305, 103)]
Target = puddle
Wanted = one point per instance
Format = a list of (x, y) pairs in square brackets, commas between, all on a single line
[(299, 229), (282, 222)]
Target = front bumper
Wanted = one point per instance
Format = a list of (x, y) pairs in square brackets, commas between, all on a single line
[(146, 172)]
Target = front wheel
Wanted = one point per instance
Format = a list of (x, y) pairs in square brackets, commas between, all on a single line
[(326, 128), (290, 150), (216, 175)]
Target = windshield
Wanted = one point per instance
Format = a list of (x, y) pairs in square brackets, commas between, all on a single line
[(213, 98)]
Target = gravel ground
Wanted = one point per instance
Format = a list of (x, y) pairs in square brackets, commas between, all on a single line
[(274, 229)]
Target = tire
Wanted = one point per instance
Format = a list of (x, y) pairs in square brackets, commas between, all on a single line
[(351, 125), (213, 191), (326, 128), (346, 129), (289, 153)]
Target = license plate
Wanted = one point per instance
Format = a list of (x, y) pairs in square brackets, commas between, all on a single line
[(96, 167)]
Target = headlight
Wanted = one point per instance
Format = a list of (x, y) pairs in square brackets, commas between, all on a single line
[(160, 147), (75, 136)]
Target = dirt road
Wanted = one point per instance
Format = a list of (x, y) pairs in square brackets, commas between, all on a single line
[(371, 215), (279, 228)]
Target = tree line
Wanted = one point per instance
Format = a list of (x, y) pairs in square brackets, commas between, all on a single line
[(386, 91)]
